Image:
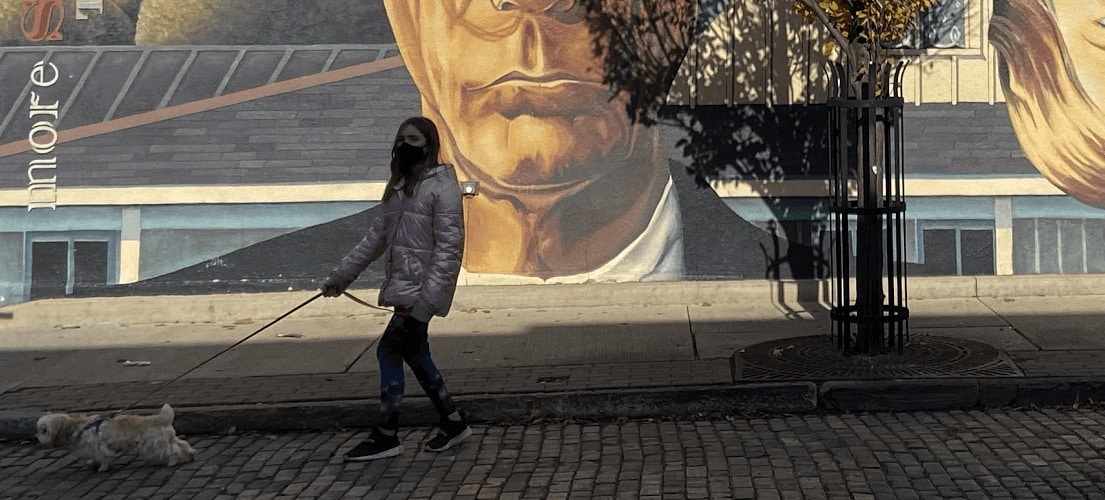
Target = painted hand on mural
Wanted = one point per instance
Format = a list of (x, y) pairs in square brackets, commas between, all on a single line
[(1050, 65)]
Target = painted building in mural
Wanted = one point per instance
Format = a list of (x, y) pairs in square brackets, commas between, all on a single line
[(187, 146)]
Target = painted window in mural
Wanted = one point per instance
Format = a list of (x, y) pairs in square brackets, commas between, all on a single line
[(63, 266), (943, 26)]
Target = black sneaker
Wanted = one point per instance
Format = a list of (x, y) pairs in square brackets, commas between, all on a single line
[(449, 435), (377, 446)]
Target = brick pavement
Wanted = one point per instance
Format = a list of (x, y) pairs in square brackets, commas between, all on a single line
[(985, 454)]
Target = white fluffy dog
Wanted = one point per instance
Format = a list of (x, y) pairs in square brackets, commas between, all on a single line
[(152, 437), (58, 430)]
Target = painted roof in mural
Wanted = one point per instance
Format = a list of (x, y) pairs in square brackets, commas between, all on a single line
[(214, 109), (100, 84)]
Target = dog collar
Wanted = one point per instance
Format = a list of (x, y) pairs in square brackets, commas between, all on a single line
[(95, 424)]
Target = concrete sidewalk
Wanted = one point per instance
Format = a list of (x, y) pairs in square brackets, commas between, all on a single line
[(517, 352)]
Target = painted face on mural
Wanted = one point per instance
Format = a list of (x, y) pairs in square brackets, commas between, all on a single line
[(516, 87), (1054, 82), (1082, 23)]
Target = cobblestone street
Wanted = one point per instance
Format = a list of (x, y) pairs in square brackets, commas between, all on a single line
[(1037, 453)]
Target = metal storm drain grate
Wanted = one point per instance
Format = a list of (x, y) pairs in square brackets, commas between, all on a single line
[(926, 356)]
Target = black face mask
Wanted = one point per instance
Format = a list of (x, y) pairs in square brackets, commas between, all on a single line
[(409, 155)]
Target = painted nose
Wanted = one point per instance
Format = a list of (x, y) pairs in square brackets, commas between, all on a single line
[(535, 6)]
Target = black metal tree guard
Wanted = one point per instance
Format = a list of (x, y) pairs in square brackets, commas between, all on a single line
[(866, 193)]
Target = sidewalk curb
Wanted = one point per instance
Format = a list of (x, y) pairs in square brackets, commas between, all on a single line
[(18, 424), (947, 394), (768, 398), (796, 397)]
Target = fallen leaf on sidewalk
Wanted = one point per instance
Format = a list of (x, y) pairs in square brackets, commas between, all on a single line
[(127, 362), (243, 321), (472, 310), (290, 335)]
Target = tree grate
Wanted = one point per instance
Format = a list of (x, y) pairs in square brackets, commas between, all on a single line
[(816, 358)]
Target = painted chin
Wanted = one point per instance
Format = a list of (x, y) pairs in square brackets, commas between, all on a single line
[(538, 153)]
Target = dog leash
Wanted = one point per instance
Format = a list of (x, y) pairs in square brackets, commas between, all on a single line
[(366, 304), (242, 341)]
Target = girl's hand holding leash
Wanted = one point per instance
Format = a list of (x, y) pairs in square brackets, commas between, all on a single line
[(334, 287)]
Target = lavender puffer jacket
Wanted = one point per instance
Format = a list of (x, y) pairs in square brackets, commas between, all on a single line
[(421, 239)]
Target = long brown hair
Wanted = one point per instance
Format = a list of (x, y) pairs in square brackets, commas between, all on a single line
[(1060, 128), (411, 176)]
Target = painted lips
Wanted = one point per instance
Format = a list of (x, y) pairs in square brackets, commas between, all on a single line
[(551, 94)]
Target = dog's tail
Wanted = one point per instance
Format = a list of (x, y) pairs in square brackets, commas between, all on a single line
[(165, 416)]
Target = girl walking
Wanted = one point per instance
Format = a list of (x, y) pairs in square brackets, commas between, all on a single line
[(419, 232)]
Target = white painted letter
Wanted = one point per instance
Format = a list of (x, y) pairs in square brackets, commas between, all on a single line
[(83, 5), (42, 109), (39, 72), (51, 200), (43, 163), (43, 127)]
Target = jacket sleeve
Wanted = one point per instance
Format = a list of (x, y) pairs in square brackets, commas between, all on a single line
[(368, 250), (448, 247)]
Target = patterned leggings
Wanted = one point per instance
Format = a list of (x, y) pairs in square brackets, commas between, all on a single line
[(406, 339)]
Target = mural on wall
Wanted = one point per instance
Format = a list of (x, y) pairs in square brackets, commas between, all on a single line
[(1050, 56), (187, 146), (571, 189)]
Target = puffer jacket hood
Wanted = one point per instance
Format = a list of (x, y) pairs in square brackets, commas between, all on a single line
[(421, 239)]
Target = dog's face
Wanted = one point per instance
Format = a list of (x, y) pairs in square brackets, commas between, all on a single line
[(59, 429)]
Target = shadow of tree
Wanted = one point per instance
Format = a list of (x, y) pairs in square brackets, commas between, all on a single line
[(760, 67), (643, 46), (763, 146)]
